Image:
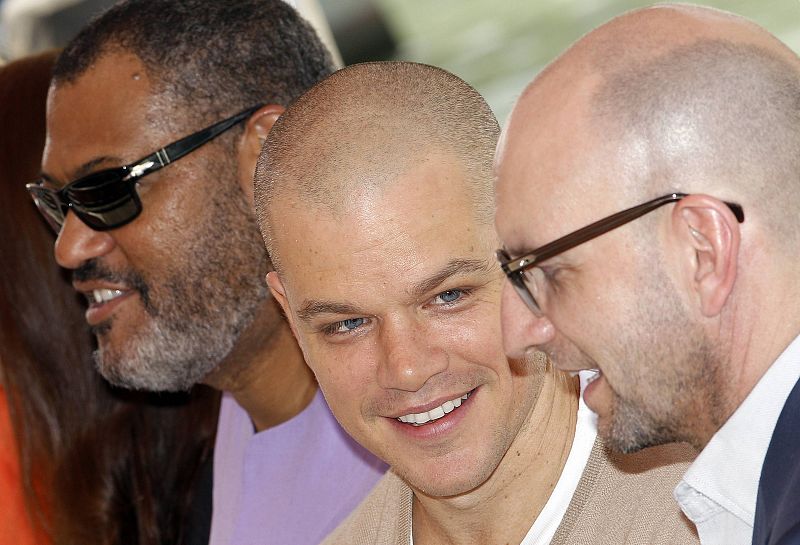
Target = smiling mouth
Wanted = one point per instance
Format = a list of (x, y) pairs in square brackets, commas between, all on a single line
[(420, 419), (100, 296)]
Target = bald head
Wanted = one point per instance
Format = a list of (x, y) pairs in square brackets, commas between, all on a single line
[(671, 99), (363, 127), (684, 99)]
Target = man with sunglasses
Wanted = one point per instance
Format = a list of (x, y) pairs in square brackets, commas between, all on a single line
[(155, 118), (687, 300), (394, 296)]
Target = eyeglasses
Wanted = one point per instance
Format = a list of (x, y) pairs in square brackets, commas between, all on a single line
[(527, 281), (108, 199)]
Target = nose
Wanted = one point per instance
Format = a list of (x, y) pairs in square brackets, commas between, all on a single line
[(522, 329), (409, 356), (77, 243)]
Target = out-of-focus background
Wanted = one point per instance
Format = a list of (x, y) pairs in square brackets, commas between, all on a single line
[(496, 45)]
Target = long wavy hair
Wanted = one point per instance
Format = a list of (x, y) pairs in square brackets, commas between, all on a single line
[(99, 465)]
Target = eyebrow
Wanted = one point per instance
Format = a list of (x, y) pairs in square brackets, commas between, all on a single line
[(453, 268), (313, 308), (83, 170), (515, 252)]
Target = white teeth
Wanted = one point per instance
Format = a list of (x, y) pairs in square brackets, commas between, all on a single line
[(434, 414), (104, 295)]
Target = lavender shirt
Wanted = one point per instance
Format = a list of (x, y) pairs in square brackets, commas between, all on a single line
[(288, 485)]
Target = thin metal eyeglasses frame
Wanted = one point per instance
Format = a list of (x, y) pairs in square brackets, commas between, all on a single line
[(515, 267)]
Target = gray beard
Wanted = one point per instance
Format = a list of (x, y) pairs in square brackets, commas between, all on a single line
[(196, 315), (165, 356)]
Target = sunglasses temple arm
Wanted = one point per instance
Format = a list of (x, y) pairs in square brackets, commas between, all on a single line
[(192, 142), (178, 149)]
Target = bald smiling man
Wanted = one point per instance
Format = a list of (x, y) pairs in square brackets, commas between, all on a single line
[(374, 196), (687, 119)]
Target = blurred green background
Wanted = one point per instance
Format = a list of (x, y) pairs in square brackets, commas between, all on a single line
[(498, 46)]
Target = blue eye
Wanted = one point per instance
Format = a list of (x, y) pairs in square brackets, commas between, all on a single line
[(352, 323), (345, 326), (449, 296)]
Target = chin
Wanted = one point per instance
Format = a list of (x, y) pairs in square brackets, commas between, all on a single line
[(632, 430), (455, 479)]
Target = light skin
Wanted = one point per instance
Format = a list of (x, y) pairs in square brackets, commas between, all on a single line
[(111, 115), (397, 311), (674, 308)]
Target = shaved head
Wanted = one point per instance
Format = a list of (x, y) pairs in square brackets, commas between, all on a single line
[(359, 129), (669, 99), (689, 99)]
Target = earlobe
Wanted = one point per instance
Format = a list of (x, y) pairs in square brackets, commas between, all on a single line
[(255, 134), (711, 235)]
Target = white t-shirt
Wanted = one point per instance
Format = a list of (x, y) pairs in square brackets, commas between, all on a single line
[(546, 524)]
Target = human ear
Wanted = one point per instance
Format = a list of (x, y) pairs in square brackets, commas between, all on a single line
[(255, 134), (279, 293), (710, 235)]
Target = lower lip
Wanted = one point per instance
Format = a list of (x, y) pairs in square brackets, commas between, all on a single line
[(438, 428), (100, 312)]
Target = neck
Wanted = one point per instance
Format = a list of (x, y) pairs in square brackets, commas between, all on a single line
[(266, 372), (759, 323), (502, 509), (759, 330)]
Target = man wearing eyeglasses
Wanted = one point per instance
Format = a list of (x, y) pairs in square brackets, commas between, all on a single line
[(156, 115), (647, 196), (394, 296)]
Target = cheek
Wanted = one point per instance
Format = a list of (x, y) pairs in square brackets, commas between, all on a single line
[(345, 377), (475, 337)]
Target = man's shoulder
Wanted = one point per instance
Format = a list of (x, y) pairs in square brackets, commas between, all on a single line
[(383, 518), (777, 517), (627, 499)]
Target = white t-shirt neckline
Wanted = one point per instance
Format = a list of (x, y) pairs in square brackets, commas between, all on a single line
[(546, 524)]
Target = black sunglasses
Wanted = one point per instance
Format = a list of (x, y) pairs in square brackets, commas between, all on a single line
[(526, 284), (107, 199)]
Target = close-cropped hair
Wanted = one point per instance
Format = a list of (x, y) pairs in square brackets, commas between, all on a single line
[(365, 125), (214, 56)]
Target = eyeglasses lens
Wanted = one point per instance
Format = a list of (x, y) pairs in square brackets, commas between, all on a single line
[(517, 280)]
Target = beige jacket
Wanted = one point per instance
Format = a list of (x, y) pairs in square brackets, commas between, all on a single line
[(620, 500)]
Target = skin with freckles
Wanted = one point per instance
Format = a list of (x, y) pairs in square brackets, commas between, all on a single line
[(191, 266), (398, 318), (684, 309), (394, 296)]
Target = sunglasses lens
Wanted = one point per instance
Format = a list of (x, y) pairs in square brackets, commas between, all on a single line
[(104, 200), (49, 205)]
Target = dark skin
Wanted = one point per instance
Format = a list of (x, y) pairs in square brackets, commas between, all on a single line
[(109, 116)]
